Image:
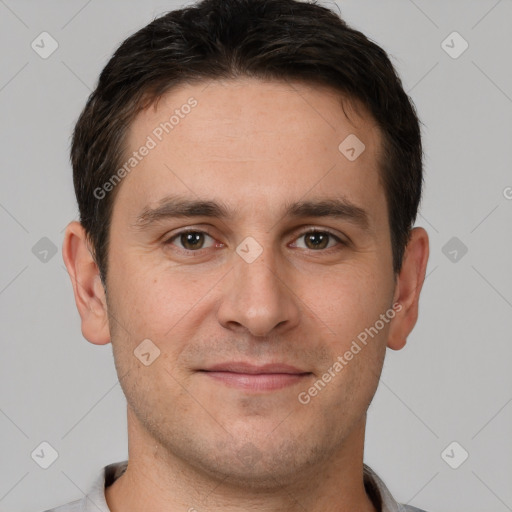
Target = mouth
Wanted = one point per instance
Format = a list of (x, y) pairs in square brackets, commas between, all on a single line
[(249, 377)]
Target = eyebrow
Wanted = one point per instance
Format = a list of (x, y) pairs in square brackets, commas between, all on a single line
[(179, 207)]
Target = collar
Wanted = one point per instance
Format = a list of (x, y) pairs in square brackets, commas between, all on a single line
[(95, 500)]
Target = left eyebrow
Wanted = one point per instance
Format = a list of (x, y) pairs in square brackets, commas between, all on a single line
[(176, 207), (334, 208)]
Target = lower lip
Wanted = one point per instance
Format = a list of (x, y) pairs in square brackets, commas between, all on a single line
[(258, 381)]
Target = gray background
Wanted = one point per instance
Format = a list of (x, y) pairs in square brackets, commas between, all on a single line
[(452, 381)]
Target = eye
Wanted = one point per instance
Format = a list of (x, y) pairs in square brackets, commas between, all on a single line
[(194, 240), (190, 240), (316, 239)]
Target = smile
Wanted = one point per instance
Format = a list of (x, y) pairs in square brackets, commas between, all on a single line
[(256, 381)]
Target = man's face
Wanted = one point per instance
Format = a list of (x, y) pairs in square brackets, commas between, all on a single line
[(205, 299)]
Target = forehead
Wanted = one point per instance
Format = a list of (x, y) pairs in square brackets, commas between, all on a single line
[(253, 144)]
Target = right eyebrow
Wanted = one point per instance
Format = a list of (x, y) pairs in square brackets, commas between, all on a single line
[(174, 207)]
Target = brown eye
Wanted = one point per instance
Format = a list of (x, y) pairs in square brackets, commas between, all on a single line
[(190, 240), (316, 240)]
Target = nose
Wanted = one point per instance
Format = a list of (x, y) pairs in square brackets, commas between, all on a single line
[(258, 297)]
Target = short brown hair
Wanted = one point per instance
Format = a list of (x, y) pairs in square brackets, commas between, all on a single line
[(222, 39)]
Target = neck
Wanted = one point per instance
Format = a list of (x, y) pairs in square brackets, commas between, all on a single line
[(156, 480)]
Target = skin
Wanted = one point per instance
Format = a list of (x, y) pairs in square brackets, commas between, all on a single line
[(255, 146)]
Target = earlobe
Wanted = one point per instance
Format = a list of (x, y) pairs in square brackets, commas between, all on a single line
[(87, 287), (408, 287)]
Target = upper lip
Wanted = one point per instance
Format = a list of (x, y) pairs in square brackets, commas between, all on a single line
[(243, 367)]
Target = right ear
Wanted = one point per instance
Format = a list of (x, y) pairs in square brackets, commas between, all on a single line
[(87, 286)]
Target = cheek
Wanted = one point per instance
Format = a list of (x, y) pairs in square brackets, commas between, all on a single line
[(171, 309), (152, 297), (349, 298)]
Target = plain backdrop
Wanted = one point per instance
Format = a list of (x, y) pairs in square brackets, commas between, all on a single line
[(452, 381)]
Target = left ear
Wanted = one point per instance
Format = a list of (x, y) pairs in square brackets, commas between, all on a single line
[(408, 287)]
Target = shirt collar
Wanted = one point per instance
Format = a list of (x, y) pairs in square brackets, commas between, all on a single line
[(95, 500), (379, 493)]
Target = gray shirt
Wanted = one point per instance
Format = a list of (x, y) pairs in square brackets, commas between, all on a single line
[(94, 500)]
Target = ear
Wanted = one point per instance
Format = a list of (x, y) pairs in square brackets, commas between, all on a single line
[(408, 287), (87, 286)]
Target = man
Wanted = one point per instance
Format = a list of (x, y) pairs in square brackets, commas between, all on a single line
[(248, 174)]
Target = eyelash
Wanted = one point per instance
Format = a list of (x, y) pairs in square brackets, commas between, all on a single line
[(303, 233)]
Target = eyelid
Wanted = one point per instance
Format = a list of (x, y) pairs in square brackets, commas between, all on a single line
[(316, 229)]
